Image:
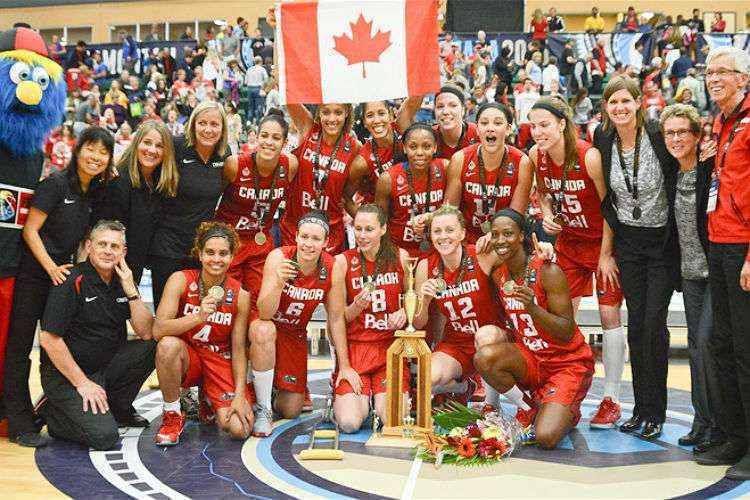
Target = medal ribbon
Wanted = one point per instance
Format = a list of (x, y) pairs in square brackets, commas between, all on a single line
[(461, 266), (378, 163), (366, 278), (413, 194), (261, 213), (483, 180), (319, 185)]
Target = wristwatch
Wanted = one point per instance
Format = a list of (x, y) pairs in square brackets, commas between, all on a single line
[(131, 298)]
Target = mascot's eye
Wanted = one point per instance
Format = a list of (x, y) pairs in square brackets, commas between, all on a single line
[(41, 77), (19, 72)]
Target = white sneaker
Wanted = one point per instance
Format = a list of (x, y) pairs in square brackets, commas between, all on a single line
[(263, 425)]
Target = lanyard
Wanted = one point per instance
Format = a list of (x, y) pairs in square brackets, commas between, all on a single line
[(263, 214), (725, 149), (319, 183), (483, 180), (461, 267), (413, 194), (378, 163), (460, 138), (632, 189)]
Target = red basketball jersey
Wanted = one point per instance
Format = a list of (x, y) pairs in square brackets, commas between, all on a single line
[(385, 156), (469, 304), (580, 201), (467, 138), (472, 188), (301, 196), (216, 333), (300, 297), (372, 323), (531, 336), (239, 205), (401, 201)]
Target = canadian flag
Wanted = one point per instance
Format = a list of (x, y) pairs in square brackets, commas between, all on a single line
[(344, 51)]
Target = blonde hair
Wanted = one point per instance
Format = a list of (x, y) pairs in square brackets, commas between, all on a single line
[(570, 136), (616, 84), (448, 209), (190, 140), (348, 123), (682, 111), (169, 177)]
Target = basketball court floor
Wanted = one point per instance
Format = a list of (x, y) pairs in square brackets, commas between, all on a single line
[(206, 464)]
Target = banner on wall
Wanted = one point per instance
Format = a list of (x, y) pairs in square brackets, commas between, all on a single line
[(112, 52)]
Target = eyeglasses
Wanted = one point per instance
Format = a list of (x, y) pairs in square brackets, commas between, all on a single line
[(677, 134), (721, 72)]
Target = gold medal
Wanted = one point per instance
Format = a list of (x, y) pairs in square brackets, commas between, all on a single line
[(440, 285), (260, 238), (486, 226), (424, 246), (560, 220), (369, 286), (509, 287), (216, 292)]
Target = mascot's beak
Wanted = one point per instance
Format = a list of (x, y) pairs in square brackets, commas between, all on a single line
[(29, 93)]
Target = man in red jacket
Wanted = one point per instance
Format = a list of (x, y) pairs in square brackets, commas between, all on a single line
[(727, 74)]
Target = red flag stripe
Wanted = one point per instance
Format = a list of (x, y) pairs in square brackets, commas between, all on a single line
[(299, 23), (422, 55)]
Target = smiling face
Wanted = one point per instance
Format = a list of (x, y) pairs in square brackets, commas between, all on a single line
[(492, 127), (723, 81), (151, 150), (419, 147), (368, 231), (92, 160), (270, 140), (332, 118), (106, 248), (546, 128), (449, 111), (311, 241), (208, 128), (377, 119), (507, 238), (622, 108), (215, 257), (446, 233), (679, 137)]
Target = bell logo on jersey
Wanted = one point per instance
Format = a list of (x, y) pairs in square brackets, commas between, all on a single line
[(246, 223), (217, 317), (372, 322), (309, 202)]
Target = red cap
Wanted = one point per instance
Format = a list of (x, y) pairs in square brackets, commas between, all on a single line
[(23, 38)]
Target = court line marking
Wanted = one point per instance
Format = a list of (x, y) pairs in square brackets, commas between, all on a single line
[(411, 481)]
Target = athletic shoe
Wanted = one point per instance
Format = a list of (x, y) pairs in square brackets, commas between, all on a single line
[(607, 415), (307, 404), (30, 440), (526, 417), (263, 425), (172, 424)]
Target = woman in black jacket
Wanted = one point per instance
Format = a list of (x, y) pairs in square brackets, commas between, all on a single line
[(640, 176), (681, 127), (148, 174)]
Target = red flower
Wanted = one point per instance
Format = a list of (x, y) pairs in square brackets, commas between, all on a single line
[(474, 431), (466, 448), (453, 441), (488, 447), (488, 409)]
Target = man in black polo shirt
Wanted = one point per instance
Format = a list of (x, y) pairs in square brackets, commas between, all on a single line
[(90, 372)]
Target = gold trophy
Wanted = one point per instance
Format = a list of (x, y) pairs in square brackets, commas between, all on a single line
[(409, 344)]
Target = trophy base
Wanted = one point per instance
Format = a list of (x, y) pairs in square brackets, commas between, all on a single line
[(393, 437), (416, 334)]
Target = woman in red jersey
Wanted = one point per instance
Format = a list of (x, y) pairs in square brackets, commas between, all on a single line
[(571, 186), (548, 370), (201, 326), (490, 175), (409, 191), (457, 279), (371, 280), (259, 182), (326, 151), (384, 148), (296, 278), (453, 133)]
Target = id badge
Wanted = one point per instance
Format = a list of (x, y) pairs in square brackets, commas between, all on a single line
[(713, 194)]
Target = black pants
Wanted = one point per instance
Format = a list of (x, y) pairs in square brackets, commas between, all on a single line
[(29, 300), (647, 284), (730, 339), (162, 268), (122, 379)]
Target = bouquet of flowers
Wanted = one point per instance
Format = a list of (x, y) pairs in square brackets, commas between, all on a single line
[(464, 436)]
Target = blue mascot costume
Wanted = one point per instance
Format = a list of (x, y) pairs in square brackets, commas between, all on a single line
[(32, 103)]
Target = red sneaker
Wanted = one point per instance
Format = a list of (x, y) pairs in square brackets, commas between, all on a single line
[(526, 417), (171, 428), (307, 404), (607, 415)]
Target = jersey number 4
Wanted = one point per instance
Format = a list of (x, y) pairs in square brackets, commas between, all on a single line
[(203, 334)]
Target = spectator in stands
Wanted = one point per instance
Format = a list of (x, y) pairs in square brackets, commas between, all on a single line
[(180, 87), (471, 110), (234, 127), (525, 100), (200, 84), (482, 39), (568, 61), (681, 65), (187, 34), (55, 49), (87, 114), (78, 56), (136, 95), (644, 26), (503, 66), (230, 45), (727, 75), (684, 96), (718, 24), (534, 69), (446, 46), (582, 110), (130, 52), (696, 22), (116, 99), (594, 24), (167, 63), (630, 22), (273, 98), (240, 29), (598, 65), (108, 121), (101, 70), (175, 127), (555, 23), (255, 78), (696, 87), (653, 100), (258, 42), (538, 28)]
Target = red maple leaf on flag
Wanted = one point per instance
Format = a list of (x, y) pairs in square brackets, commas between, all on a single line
[(362, 47)]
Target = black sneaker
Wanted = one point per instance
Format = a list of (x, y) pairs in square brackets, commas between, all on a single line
[(728, 453), (31, 440), (740, 471)]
